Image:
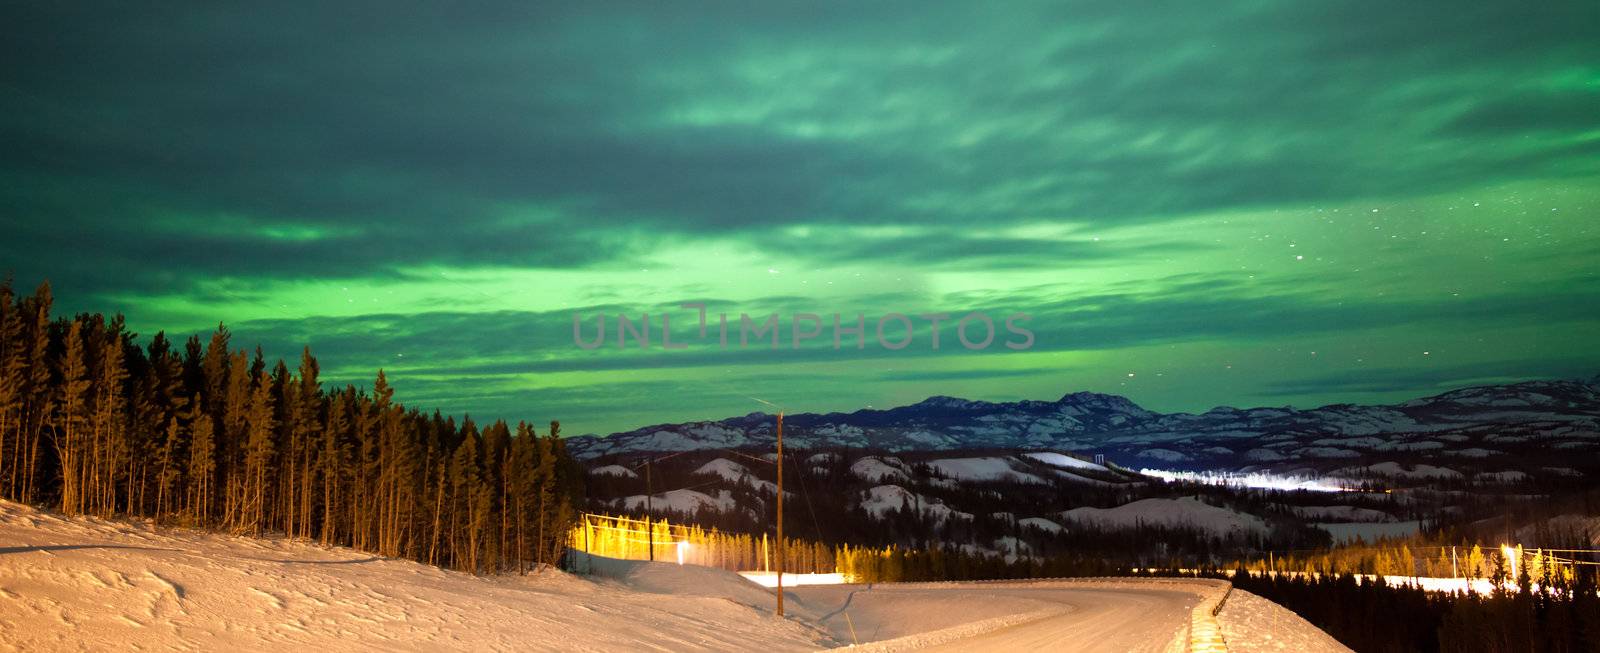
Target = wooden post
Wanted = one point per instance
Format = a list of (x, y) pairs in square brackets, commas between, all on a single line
[(780, 513), (649, 510)]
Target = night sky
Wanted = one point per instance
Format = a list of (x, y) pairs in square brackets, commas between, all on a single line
[(1198, 203)]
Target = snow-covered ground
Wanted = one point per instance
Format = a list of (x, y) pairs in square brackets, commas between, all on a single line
[(879, 501), (685, 502), (732, 471), (983, 469), (614, 470), (1251, 623), (89, 584), (1014, 616), (1063, 460), (880, 470), (84, 584)]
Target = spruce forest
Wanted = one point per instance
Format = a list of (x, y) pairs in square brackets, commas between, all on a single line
[(206, 435)]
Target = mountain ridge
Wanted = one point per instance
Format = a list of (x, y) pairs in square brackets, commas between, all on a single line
[(1099, 422)]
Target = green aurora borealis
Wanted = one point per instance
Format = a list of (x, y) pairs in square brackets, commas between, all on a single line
[(1251, 203)]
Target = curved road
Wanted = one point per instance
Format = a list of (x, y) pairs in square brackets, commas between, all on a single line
[(1053, 615)]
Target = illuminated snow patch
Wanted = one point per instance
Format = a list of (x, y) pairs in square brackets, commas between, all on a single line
[(1254, 480), (770, 579)]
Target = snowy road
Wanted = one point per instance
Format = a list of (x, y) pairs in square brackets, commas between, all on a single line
[(1058, 615), (1101, 620)]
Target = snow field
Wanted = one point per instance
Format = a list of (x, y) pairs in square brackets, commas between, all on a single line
[(90, 584)]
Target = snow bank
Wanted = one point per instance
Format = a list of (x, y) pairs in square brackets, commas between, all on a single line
[(672, 578), (770, 579), (1251, 623)]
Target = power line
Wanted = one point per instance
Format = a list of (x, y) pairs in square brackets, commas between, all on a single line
[(806, 492)]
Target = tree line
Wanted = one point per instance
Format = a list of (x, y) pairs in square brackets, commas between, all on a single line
[(630, 538), (1376, 616), (206, 435), (651, 538), (1399, 558)]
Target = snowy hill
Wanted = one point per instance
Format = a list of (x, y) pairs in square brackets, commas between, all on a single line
[(1551, 421), (1186, 512), (86, 584)]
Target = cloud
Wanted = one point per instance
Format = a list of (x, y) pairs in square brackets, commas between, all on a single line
[(381, 135), (474, 175)]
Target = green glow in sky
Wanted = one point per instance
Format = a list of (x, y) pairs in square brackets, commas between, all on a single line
[(1258, 203)]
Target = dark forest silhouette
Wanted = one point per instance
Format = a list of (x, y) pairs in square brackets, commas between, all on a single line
[(206, 435)]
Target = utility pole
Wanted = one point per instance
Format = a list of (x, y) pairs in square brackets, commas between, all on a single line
[(780, 513), (649, 513), (780, 502)]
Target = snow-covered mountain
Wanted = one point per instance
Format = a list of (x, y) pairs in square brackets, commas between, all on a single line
[(1476, 422)]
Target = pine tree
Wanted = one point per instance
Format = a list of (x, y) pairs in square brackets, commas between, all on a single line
[(520, 469), (258, 451), (466, 483), (231, 437), (162, 400), (202, 465), (110, 447), (38, 394), (13, 368), (70, 449), (334, 461), (306, 420)]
